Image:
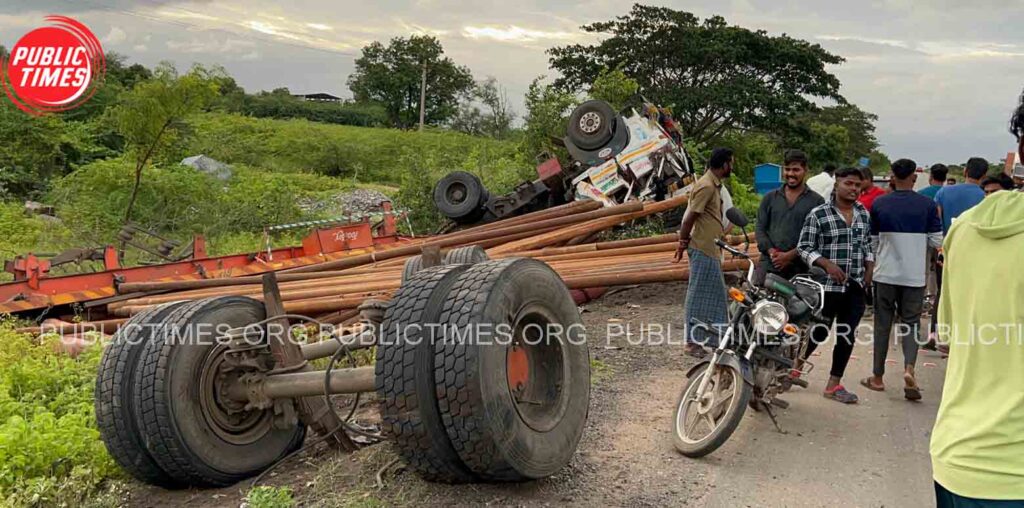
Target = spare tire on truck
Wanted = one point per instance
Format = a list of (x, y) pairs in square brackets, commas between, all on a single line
[(591, 125), (405, 381), (460, 196), (513, 370), (193, 432), (115, 396)]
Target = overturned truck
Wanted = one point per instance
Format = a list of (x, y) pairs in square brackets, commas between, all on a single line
[(613, 158), (481, 373)]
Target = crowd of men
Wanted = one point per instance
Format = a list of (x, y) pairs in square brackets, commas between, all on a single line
[(878, 245)]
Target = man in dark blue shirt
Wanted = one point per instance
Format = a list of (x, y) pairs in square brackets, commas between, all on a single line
[(781, 216), (904, 224)]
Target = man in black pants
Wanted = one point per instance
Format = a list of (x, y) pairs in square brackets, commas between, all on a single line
[(837, 237)]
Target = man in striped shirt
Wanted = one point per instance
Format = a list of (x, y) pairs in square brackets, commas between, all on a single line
[(836, 237), (904, 224)]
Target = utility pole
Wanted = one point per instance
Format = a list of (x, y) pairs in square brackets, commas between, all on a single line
[(423, 94)]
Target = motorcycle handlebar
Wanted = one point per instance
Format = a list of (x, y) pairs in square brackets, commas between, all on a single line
[(730, 249)]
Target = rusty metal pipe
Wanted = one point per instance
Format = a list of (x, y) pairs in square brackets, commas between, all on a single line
[(464, 239)]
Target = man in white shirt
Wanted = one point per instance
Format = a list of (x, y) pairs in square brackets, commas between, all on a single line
[(823, 182)]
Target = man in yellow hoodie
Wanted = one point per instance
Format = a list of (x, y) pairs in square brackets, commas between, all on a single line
[(977, 444)]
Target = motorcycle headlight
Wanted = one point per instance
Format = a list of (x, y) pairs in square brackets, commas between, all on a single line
[(769, 317)]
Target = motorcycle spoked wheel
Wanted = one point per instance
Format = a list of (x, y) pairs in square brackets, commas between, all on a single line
[(701, 425)]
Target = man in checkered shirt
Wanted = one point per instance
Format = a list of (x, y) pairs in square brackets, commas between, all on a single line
[(837, 237)]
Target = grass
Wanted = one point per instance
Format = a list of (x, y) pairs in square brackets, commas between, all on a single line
[(50, 450), (599, 371)]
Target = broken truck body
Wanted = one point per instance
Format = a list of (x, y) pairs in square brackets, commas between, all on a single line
[(614, 158)]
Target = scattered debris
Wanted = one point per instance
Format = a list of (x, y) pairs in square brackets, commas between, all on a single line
[(208, 165)]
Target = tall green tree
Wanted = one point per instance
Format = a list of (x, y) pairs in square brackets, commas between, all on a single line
[(818, 133), (152, 117), (391, 75), (547, 107), (714, 76), (614, 87)]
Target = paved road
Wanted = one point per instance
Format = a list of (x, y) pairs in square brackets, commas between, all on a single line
[(874, 453)]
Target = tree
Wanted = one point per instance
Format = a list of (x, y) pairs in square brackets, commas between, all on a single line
[(153, 115), (614, 87), (546, 109), (714, 77), (496, 122), (119, 77), (391, 75), (816, 132)]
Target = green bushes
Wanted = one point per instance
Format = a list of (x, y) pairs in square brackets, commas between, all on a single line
[(357, 153), (50, 451), (180, 201)]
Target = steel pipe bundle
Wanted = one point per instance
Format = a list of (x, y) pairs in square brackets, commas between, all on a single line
[(333, 289)]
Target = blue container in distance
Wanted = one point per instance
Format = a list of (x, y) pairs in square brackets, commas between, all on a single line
[(767, 177)]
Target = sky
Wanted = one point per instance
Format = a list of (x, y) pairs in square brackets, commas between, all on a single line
[(942, 75)]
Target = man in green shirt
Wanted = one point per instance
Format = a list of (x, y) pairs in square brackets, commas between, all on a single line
[(702, 224), (977, 444)]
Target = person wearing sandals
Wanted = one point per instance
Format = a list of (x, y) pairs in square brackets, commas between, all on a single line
[(701, 226), (836, 237), (904, 225)]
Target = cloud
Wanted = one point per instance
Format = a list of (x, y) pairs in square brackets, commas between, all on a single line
[(512, 33), (319, 26), (140, 48), (114, 36), (211, 45)]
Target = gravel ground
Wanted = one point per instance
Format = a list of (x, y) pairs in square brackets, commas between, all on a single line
[(356, 202)]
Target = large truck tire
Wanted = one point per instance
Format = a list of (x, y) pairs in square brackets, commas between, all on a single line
[(513, 371), (460, 196), (115, 397), (592, 125), (182, 415), (405, 377), (469, 255), (411, 267)]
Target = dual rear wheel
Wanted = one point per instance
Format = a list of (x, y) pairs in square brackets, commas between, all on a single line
[(482, 372)]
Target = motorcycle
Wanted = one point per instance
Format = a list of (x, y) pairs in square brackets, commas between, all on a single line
[(768, 331)]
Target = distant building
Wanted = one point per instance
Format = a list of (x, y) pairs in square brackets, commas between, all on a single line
[(318, 97)]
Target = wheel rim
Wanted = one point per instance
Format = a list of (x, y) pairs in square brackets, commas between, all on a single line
[(536, 370), (590, 122), (697, 419), (227, 418), (456, 193)]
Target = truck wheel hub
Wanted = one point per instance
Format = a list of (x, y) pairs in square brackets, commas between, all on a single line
[(590, 122)]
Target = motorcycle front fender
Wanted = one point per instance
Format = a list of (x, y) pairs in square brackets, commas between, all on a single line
[(728, 360)]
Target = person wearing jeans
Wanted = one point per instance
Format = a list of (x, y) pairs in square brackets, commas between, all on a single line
[(836, 237), (904, 224)]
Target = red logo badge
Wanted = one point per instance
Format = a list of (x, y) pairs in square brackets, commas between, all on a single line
[(53, 68)]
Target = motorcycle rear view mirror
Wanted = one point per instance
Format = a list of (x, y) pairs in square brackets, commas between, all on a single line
[(737, 217)]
